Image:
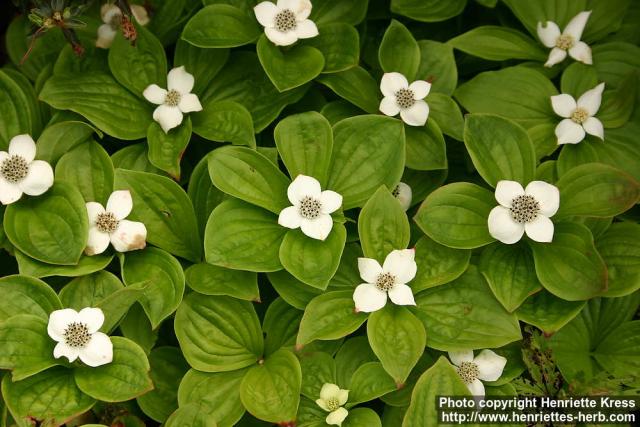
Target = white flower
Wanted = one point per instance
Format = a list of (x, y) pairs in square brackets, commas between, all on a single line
[(578, 115), (524, 210), (569, 40), (287, 21), (486, 366), (77, 336), (398, 269), (110, 225), (312, 208), (404, 98), (177, 100), (331, 400), (20, 173), (112, 18), (403, 193)]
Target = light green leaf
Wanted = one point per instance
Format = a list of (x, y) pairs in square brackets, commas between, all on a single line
[(280, 325), (191, 414), (166, 149), (293, 291), (428, 10), (327, 11), (620, 250), (437, 264), (426, 149), (399, 51), (86, 265), (318, 368), (498, 44), (339, 43), (221, 25), (59, 138), (89, 290), (210, 279), (15, 111), (447, 115), (26, 295), (578, 78), (204, 196), (548, 312), (356, 86), (203, 64), (437, 63), (369, 382), (225, 121)]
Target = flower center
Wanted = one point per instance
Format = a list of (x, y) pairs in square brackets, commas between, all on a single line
[(579, 116), (524, 208), (405, 98), (564, 42), (14, 169), (172, 98), (77, 335), (333, 403), (285, 21), (107, 222), (115, 21), (385, 281), (396, 191), (310, 208), (468, 371)]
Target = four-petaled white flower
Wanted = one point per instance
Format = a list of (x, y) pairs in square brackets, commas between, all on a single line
[(403, 193), (78, 337), (174, 102), (568, 40), (112, 18), (524, 210), (312, 208), (20, 173), (404, 98), (287, 21), (391, 278), (331, 400), (486, 366), (578, 116), (110, 225)]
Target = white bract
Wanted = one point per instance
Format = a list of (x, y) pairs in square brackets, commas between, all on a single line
[(78, 337), (20, 173), (312, 208), (403, 193), (486, 366), (174, 102), (578, 116), (331, 400), (112, 18), (404, 98), (398, 269), (567, 41), (110, 225), (524, 210), (287, 21)]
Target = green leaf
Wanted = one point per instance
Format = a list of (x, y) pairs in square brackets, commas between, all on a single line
[(437, 63), (532, 13), (102, 101), (218, 333), (447, 115), (26, 295), (210, 279), (618, 351), (362, 417), (293, 291), (225, 121), (221, 25), (59, 138), (89, 290), (498, 44), (619, 247), (426, 149), (369, 381), (318, 368), (166, 211), (203, 64), (15, 113), (570, 267), (166, 149), (356, 86), (614, 61), (339, 43), (399, 51), (354, 353), (137, 327), (548, 312), (327, 11), (134, 157), (204, 196), (271, 391), (280, 325), (578, 78), (428, 10), (618, 104), (437, 264), (51, 228), (455, 215), (191, 414), (86, 265)]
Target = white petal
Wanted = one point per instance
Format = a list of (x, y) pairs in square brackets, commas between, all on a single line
[(155, 94), (581, 52), (129, 236), (564, 105), (106, 34), (4, 156), (548, 33), (389, 106), (490, 365), (108, 11), (38, 180), (99, 351), (337, 417), (23, 146), (279, 38), (329, 391), (401, 294), (369, 269), (476, 388), (302, 187), (405, 195), (330, 201), (9, 192), (179, 79), (556, 56), (189, 102), (420, 89), (594, 127), (306, 29), (502, 227), (59, 320), (343, 396), (590, 100), (416, 115), (575, 27), (97, 242), (62, 349), (457, 357), (289, 217), (368, 298), (321, 403), (569, 132), (92, 317), (392, 83), (506, 191), (301, 8), (318, 228), (140, 13), (540, 229), (401, 263), (168, 117), (93, 210), (547, 195), (266, 13), (120, 204)]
